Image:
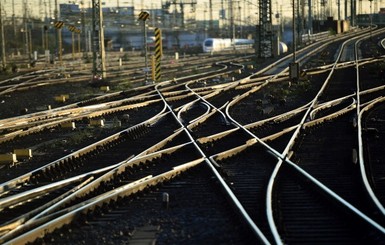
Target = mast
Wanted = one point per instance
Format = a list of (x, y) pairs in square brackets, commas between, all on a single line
[(265, 42), (3, 58), (98, 51)]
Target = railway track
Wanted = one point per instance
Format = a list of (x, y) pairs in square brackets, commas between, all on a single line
[(42, 87), (285, 174), (371, 155), (195, 202), (333, 142)]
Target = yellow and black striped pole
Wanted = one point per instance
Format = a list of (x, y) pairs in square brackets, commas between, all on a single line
[(158, 54)]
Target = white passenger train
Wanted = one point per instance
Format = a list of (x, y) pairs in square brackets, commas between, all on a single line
[(211, 45)]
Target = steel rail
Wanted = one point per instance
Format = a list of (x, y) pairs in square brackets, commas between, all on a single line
[(359, 114), (282, 157), (19, 222), (24, 178), (235, 201), (314, 180), (171, 111), (256, 139), (48, 115), (29, 128), (54, 210), (123, 191)]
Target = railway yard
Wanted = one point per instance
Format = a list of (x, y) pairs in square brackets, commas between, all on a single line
[(227, 149)]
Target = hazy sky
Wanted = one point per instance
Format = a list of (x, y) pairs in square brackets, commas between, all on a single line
[(244, 7)]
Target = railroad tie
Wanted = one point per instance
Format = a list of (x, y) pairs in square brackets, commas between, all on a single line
[(144, 235), (35, 177), (65, 165), (44, 176)]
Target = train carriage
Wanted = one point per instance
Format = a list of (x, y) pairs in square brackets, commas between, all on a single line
[(211, 45)]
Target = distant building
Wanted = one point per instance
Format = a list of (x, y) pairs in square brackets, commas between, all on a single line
[(123, 29), (337, 26), (69, 9), (367, 19)]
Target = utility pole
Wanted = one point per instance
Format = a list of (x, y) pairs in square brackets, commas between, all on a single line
[(3, 58), (223, 17), (79, 43), (46, 26), (240, 20), (205, 21), (181, 6), (310, 18), (265, 42), (294, 66), (30, 40), (294, 35), (301, 17), (346, 9), (371, 17), (73, 44), (14, 26), (98, 51), (231, 13), (211, 28), (25, 36), (339, 9), (353, 12), (84, 31), (42, 32), (58, 32)]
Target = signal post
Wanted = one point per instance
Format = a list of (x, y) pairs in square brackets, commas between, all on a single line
[(143, 16)]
